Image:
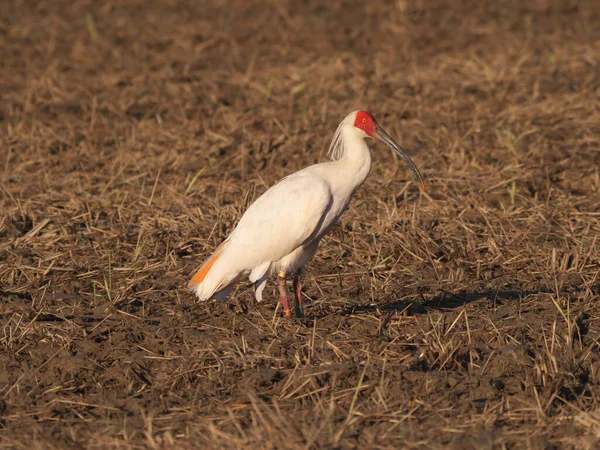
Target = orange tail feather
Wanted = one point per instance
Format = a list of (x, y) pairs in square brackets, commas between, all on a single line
[(201, 274)]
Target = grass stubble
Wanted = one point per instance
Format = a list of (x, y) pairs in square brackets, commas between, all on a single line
[(135, 134)]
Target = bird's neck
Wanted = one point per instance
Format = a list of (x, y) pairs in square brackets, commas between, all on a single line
[(357, 156), (354, 166)]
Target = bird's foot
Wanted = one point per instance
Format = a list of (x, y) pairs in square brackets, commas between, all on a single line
[(299, 311)]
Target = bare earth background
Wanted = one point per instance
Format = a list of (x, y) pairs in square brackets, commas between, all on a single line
[(135, 133)]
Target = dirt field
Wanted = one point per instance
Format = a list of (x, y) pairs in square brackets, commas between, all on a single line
[(135, 133)]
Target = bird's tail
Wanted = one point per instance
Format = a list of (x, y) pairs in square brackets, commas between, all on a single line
[(206, 282)]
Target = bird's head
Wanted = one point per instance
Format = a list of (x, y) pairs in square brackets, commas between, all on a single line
[(367, 125)]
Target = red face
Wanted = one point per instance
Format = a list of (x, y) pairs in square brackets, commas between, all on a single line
[(365, 122)]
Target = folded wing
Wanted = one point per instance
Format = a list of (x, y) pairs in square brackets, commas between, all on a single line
[(285, 217)]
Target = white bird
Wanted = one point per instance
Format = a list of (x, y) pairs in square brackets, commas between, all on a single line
[(280, 232)]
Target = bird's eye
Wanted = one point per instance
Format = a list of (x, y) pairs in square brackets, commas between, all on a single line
[(364, 120)]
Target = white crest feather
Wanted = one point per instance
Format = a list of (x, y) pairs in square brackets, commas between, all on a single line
[(336, 149)]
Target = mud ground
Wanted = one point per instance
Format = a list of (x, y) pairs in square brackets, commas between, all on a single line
[(133, 136)]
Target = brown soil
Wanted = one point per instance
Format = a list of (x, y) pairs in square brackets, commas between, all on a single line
[(135, 133)]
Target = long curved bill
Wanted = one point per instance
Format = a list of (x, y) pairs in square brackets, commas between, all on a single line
[(382, 136)]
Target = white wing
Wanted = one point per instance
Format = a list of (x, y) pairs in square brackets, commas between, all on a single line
[(278, 222)]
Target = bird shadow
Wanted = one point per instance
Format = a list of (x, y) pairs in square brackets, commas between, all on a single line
[(444, 301), (441, 301), (447, 300)]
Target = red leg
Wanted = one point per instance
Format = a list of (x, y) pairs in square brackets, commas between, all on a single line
[(282, 296)]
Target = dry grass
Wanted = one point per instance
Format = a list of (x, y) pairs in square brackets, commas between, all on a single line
[(134, 134)]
